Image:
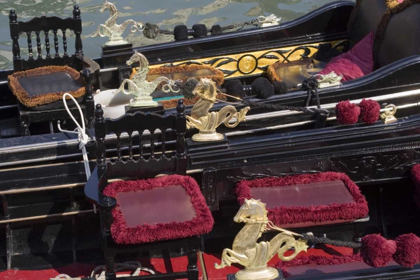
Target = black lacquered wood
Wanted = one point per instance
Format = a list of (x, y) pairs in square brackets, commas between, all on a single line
[(44, 25), (128, 167)]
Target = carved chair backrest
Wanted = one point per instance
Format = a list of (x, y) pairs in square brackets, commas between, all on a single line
[(42, 26), (146, 149)]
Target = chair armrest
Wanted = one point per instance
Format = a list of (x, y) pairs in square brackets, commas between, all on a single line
[(90, 64), (97, 181), (94, 184)]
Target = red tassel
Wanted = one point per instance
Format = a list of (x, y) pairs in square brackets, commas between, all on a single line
[(369, 111), (347, 113), (377, 251), (408, 250)]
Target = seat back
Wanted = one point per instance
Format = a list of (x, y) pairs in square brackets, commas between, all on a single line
[(143, 145), (365, 18), (42, 26), (398, 34)]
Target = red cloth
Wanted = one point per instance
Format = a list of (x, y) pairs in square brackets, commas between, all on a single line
[(290, 215), (355, 63), (123, 234)]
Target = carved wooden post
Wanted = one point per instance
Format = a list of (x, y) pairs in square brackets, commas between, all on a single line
[(14, 33), (100, 132), (90, 103), (181, 127), (78, 30)]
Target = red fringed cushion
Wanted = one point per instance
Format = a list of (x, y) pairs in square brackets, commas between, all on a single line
[(303, 200), (355, 63), (164, 208)]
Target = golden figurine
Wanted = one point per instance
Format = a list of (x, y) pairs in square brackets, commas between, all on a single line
[(139, 87), (112, 30), (388, 116), (255, 256), (207, 122)]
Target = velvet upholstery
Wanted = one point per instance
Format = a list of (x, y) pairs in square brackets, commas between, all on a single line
[(341, 202), (172, 207), (355, 63)]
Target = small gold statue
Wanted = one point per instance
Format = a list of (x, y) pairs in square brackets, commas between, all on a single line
[(139, 87), (255, 256), (112, 30), (207, 122), (388, 116)]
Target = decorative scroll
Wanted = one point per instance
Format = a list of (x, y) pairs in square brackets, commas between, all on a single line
[(254, 63)]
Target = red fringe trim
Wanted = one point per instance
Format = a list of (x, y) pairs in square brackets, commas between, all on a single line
[(201, 224), (323, 213), (319, 260)]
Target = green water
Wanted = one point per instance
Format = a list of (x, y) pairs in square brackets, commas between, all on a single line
[(165, 13)]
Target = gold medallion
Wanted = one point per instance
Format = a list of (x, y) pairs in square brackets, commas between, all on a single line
[(247, 64)]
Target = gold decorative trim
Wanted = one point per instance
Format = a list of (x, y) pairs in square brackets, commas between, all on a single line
[(236, 65), (392, 3)]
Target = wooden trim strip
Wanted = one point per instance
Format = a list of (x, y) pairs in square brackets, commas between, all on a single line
[(72, 213)]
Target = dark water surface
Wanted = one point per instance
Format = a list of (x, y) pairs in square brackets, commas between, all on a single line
[(165, 13)]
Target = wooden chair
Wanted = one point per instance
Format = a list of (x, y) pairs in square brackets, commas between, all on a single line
[(43, 26), (111, 199)]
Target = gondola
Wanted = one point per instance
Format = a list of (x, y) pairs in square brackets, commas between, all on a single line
[(47, 221)]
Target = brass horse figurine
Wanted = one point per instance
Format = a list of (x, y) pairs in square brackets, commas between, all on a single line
[(252, 255), (111, 29), (208, 122), (140, 87)]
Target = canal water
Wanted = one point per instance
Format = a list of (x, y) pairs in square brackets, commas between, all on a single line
[(165, 13)]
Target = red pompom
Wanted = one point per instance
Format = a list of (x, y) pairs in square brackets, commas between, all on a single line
[(369, 111), (377, 251), (347, 113), (408, 250)]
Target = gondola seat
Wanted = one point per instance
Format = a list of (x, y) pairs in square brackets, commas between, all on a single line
[(45, 85), (40, 81), (307, 200), (162, 208), (396, 27), (156, 207)]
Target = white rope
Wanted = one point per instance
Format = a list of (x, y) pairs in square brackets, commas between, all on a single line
[(83, 138)]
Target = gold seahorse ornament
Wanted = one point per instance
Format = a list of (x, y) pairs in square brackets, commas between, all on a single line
[(112, 30), (207, 122), (254, 256), (139, 87)]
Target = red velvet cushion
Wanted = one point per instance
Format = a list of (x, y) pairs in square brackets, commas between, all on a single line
[(164, 208), (355, 63), (307, 200)]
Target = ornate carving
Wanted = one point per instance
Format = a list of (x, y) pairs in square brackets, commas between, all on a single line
[(140, 87), (252, 255), (237, 64), (207, 122), (209, 190), (112, 30)]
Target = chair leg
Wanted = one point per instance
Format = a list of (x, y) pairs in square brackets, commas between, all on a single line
[(24, 126), (192, 267), (109, 254), (110, 268)]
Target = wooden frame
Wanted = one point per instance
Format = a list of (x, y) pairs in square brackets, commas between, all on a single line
[(141, 167)]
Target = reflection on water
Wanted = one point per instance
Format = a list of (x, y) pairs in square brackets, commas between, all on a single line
[(165, 13)]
